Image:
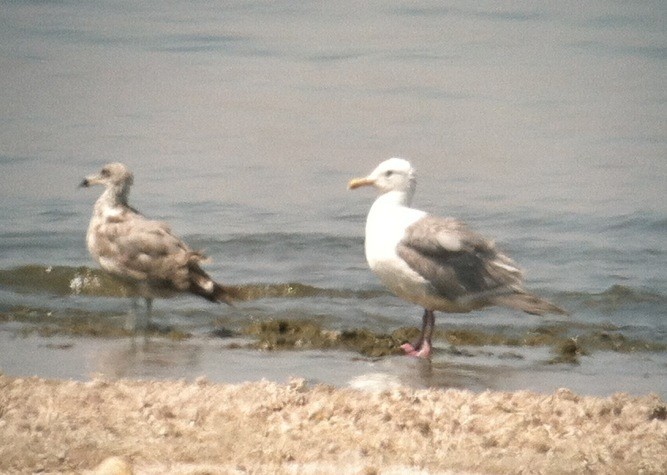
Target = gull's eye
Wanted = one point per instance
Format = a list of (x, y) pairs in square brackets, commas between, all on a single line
[(105, 172), (388, 173)]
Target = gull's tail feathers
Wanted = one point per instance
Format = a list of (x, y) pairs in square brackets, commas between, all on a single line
[(201, 283), (528, 303)]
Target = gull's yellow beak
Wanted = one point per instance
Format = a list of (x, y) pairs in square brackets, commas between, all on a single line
[(359, 182)]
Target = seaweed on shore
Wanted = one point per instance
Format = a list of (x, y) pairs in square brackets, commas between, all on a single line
[(568, 343)]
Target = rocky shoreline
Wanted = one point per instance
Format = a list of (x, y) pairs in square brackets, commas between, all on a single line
[(188, 427)]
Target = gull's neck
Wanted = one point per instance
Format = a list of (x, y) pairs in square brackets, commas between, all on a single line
[(387, 220), (113, 196), (391, 209), (394, 199)]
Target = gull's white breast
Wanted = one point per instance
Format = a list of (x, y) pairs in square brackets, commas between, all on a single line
[(385, 228)]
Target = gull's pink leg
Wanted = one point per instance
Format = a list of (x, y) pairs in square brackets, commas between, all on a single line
[(421, 348), (424, 350), (409, 349)]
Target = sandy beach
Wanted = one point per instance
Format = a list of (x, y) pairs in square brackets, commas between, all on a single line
[(198, 427)]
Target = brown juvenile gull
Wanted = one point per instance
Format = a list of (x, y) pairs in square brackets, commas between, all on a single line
[(140, 251), (437, 263)]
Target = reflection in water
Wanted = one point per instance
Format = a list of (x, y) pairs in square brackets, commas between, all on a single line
[(442, 372), (146, 357)]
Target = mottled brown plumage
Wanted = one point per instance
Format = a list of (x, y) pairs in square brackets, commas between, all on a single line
[(143, 252)]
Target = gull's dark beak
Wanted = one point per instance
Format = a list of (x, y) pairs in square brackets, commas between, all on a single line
[(84, 184)]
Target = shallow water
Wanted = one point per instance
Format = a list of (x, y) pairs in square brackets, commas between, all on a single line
[(543, 126)]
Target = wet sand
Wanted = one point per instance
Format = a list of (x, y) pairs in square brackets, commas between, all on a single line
[(198, 427)]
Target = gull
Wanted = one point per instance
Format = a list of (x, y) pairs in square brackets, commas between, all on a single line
[(436, 263), (142, 252)]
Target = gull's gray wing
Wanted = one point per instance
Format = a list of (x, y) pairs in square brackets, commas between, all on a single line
[(460, 265)]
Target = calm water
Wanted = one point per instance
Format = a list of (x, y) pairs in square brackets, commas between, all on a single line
[(543, 126)]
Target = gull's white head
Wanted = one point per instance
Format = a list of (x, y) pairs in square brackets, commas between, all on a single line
[(395, 174), (115, 177)]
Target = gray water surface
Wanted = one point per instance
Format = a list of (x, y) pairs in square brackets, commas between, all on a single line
[(543, 126)]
